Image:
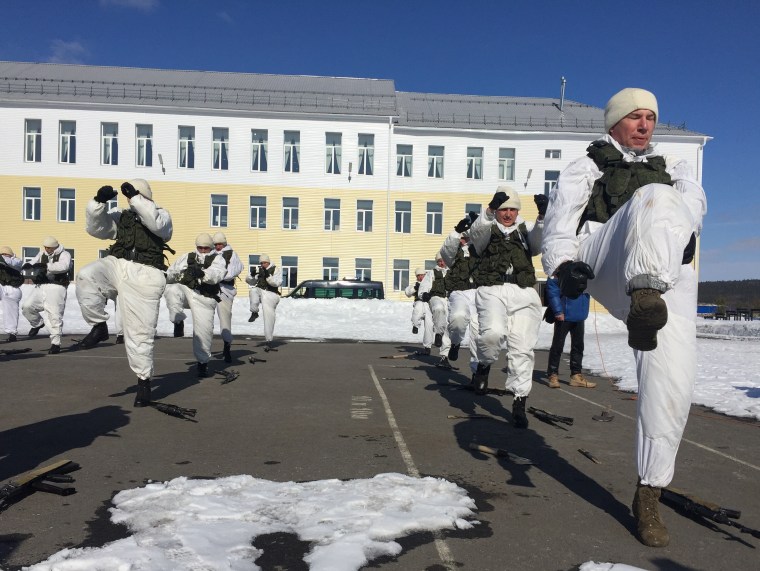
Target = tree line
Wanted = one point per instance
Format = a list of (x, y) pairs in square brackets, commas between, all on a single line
[(730, 295)]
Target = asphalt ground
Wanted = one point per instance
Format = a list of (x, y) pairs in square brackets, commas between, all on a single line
[(318, 410)]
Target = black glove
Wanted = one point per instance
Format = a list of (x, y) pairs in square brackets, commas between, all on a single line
[(498, 199), (573, 278), (253, 271), (105, 193), (542, 201), (425, 296), (464, 224), (195, 272), (128, 190), (688, 252)]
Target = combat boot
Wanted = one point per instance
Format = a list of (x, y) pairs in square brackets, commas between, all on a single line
[(578, 380), (34, 330), (648, 315), (480, 379), (98, 333), (415, 329), (202, 370), (142, 398), (120, 339), (179, 329), (226, 353), (254, 315), (438, 340), (454, 352), (11, 338), (650, 528), (54, 349), (519, 418), (553, 381)]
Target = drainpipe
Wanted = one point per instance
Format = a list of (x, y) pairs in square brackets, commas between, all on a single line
[(388, 263)]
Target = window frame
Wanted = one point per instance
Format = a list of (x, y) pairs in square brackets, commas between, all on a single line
[(507, 164), (290, 213), (220, 148), (553, 154), (67, 142), (364, 216), (363, 269), (189, 144), (550, 180), (404, 160), (365, 154), (436, 163), (333, 152), (70, 203), (291, 152), (434, 218), (332, 214), (109, 144), (289, 272), (144, 145), (35, 201), (219, 210), (33, 145), (402, 218), (330, 268), (259, 150), (475, 163), (259, 208), (400, 274)]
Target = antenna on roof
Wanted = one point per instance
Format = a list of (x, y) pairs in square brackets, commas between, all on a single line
[(562, 93)]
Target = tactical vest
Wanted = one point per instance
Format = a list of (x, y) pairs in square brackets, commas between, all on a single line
[(207, 290), (227, 256), (501, 254), (619, 180), (459, 276), (261, 281), (61, 279), (438, 289), (10, 276), (136, 243)]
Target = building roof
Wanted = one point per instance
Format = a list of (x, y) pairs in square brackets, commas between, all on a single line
[(295, 93)]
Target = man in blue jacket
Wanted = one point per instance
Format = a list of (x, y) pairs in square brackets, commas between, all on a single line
[(568, 315)]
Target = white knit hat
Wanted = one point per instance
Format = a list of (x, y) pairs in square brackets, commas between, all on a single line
[(513, 198), (141, 185), (264, 258), (627, 101), (438, 256), (203, 241), (6, 250), (50, 242), (220, 238), (419, 271)]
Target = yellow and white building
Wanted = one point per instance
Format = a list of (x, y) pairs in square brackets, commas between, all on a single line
[(333, 177)]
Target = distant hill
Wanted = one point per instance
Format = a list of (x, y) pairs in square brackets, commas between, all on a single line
[(731, 294)]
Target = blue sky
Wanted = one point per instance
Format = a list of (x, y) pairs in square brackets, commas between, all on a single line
[(700, 58)]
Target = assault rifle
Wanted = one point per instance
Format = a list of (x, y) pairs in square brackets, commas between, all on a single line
[(547, 416), (694, 506), (41, 479)]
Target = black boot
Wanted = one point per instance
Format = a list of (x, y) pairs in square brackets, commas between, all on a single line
[(202, 370), (11, 338), (454, 352), (54, 349), (226, 353), (438, 340), (98, 333), (415, 330), (480, 379), (142, 398), (120, 339), (179, 329), (254, 315), (519, 419), (34, 330)]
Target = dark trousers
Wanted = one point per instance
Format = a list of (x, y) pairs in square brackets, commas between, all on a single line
[(561, 329)]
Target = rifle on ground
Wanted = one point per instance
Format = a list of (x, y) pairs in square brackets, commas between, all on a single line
[(694, 506), (41, 479), (547, 416)]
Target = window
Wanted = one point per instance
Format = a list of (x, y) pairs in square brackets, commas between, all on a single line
[(253, 262), (366, 154), (403, 216), (259, 141), (109, 150), (220, 149), (475, 163), (364, 216), (550, 180), (219, 210), (472, 207), (404, 160), (363, 269), (289, 271), (506, 164), (28, 254), (66, 205), (292, 151), (552, 154), (332, 214), (435, 162), (32, 203), (144, 145), (329, 268), (33, 150), (290, 213), (258, 212), (434, 217), (111, 204), (186, 152), (68, 142), (400, 274), (332, 152)]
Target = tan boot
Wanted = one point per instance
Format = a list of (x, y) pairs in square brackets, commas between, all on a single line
[(578, 380), (649, 525), (553, 381)]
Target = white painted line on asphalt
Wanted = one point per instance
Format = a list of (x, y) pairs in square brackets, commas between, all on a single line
[(440, 544), (697, 444)]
